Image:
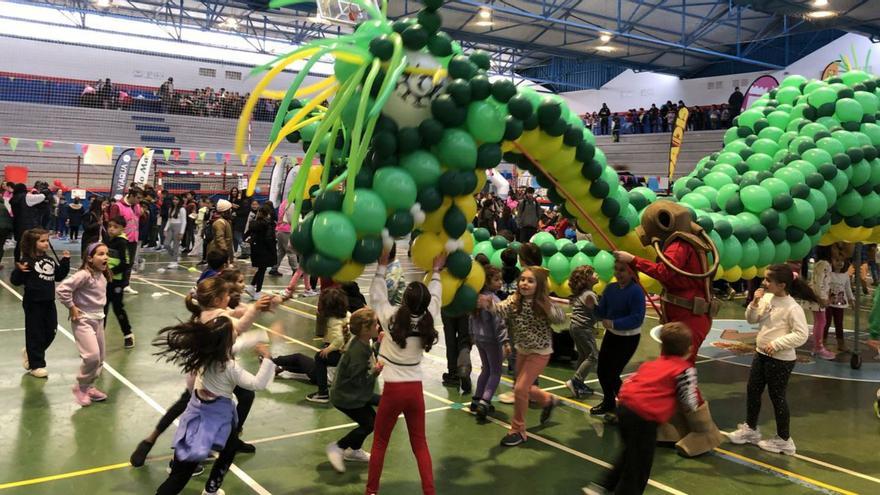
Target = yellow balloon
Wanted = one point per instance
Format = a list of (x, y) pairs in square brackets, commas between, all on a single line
[(425, 248), (450, 286), (476, 279), (561, 290), (529, 139), (733, 274), (599, 288), (468, 205), (840, 230), (434, 220), (560, 159), (759, 272), (468, 239), (349, 271), (481, 181), (650, 285), (719, 274), (507, 146), (750, 273), (314, 179), (547, 147), (828, 239)]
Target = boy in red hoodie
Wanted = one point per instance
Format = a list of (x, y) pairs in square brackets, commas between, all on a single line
[(647, 399)]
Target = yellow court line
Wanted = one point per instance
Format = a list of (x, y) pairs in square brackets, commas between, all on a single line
[(785, 472), (72, 474)]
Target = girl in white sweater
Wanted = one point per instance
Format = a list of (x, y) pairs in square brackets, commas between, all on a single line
[(409, 333), (782, 328)]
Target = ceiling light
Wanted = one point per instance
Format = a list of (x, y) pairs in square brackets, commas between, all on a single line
[(484, 23), (103, 3), (230, 23), (605, 48), (485, 14), (821, 14), (820, 3), (605, 37)]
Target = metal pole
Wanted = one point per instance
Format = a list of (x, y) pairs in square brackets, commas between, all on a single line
[(78, 166), (856, 360)]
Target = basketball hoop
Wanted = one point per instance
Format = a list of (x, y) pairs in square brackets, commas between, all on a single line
[(342, 12)]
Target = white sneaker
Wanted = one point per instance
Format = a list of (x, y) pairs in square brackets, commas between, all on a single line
[(309, 293), (359, 455), (128, 290), (778, 445), (39, 372), (336, 457), (24, 359), (744, 434), (507, 398), (251, 291), (173, 265), (218, 492), (286, 294), (595, 489)]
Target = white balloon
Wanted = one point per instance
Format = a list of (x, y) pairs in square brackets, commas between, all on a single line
[(453, 245), (417, 214), (387, 240)]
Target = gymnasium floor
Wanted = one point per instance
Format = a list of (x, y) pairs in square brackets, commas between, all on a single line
[(51, 445)]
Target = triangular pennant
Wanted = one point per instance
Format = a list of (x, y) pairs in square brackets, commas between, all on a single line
[(47, 143), (5, 139), (40, 145), (218, 157), (176, 154), (192, 156), (244, 158), (202, 155), (139, 152), (109, 149), (13, 143), (227, 157), (85, 148), (79, 148), (167, 154)]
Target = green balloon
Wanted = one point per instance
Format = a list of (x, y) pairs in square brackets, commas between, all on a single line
[(801, 214), (484, 247), (603, 262), (728, 158), (308, 132), (457, 149), (774, 134), (790, 176), (717, 179), (542, 238), (708, 193), (750, 254), (485, 122), (301, 236), (848, 110), (726, 192), (830, 145), (495, 259), (498, 242), (765, 146), (783, 252), (822, 96), (850, 203), (730, 135), (459, 264), (548, 249), (871, 205), (787, 94), (579, 259), (759, 162), (874, 179), (818, 201), (481, 234), (559, 267), (749, 117), (367, 212), (422, 166), (861, 172), (334, 235), (840, 183), (766, 252), (697, 201), (869, 102), (465, 300), (756, 199), (731, 252), (803, 166), (454, 222), (562, 243), (396, 188), (800, 249), (793, 81)]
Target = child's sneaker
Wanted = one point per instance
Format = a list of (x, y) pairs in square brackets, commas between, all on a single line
[(507, 398), (319, 397), (595, 489), (218, 492), (512, 440), (96, 395), (548, 410), (82, 398), (483, 410), (39, 373), (359, 455), (251, 291), (472, 407), (577, 387), (824, 353), (744, 434), (778, 445), (128, 341), (285, 294), (128, 290), (336, 457)]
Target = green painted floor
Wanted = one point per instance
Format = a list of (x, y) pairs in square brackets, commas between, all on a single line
[(54, 446)]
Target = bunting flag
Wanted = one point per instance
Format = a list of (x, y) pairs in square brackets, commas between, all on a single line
[(244, 158), (227, 157), (5, 139), (139, 152), (167, 154), (109, 149), (192, 156), (218, 157), (47, 143), (40, 145), (85, 149), (202, 156), (175, 154), (13, 143), (79, 148)]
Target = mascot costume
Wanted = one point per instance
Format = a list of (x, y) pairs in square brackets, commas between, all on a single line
[(684, 270)]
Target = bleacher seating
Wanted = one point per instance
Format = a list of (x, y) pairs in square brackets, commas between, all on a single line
[(648, 154)]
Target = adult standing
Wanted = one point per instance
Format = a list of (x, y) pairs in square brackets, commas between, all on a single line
[(527, 215), (240, 211), (604, 114), (261, 235), (93, 223), (735, 102), (166, 94), (684, 270), (25, 214), (221, 231), (129, 208), (74, 218)]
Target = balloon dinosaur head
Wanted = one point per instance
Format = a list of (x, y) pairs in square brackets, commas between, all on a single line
[(663, 219)]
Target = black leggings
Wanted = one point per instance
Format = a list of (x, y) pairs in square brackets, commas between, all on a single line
[(457, 337), (115, 295), (631, 470), (773, 374), (257, 281), (245, 401), (614, 354), (365, 417), (321, 365), (835, 314), (297, 363), (181, 471)]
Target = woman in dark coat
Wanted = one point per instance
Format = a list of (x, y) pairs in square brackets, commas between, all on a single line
[(93, 223), (261, 235)]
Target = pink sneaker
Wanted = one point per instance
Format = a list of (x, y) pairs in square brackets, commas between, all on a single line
[(824, 353), (82, 398), (96, 395)]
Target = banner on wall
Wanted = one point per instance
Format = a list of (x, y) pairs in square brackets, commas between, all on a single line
[(120, 173), (677, 136), (757, 89), (831, 70), (142, 172)]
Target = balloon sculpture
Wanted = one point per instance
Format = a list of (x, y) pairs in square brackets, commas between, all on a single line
[(408, 125)]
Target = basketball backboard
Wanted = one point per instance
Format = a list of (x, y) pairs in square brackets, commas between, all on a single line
[(343, 12)]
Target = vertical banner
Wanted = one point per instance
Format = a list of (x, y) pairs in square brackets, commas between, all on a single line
[(142, 172), (276, 184), (120, 173), (677, 136)]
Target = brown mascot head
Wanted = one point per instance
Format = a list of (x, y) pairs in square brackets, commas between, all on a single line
[(662, 219)]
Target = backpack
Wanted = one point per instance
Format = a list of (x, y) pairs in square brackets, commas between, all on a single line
[(208, 231)]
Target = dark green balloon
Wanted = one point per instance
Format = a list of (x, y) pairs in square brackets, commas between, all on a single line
[(399, 223), (454, 222), (481, 87), (460, 67), (800, 191), (723, 228), (301, 236), (599, 189), (776, 235), (440, 44), (460, 91), (415, 37), (447, 111), (328, 201), (429, 198), (488, 156), (408, 140), (610, 207), (782, 201), (459, 264), (450, 183), (322, 266), (590, 249), (498, 242), (591, 170), (431, 131), (503, 90), (465, 300), (548, 249), (619, 226), (367, 250), (548, 112), (513, 128), (431, 21), (520, 107)]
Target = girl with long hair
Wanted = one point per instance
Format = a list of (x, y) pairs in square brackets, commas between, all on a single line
[(174, 228), (261, 235)]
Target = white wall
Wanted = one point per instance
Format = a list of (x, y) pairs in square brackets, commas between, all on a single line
[(635, 90), (90, 63)]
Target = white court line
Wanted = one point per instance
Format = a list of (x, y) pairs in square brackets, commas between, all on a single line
[(2, 330), (149, 400)]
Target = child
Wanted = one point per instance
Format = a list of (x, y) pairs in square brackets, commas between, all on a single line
[(529, 313), (119, 263), (353, 391), (216, 262), (509, 270), (205, 348), (174, 229), (622, 310), (782, 329), (409, 333), (840, 296), (85, 294), (38, 272), (489, 333), (820, 282), (648, 399), (583, 322), (333, 319), (261, 236)]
